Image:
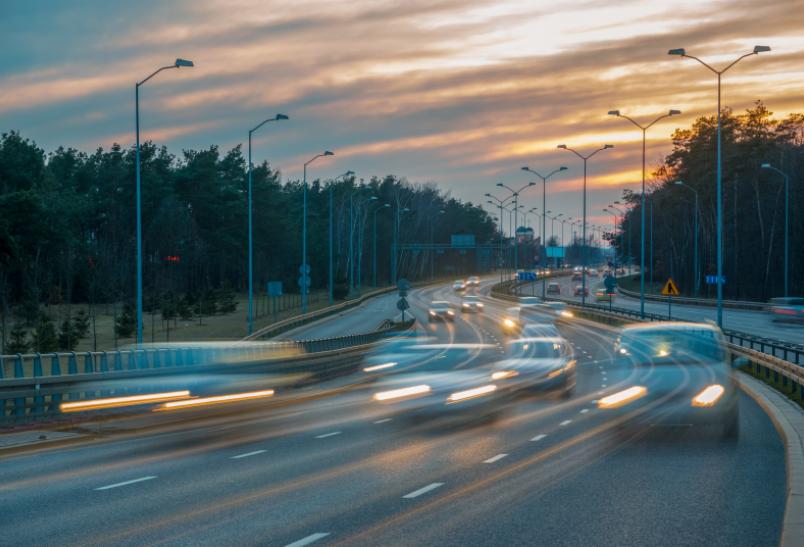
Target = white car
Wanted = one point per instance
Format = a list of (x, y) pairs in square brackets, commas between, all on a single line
[(459, 285), (540, 363), (473, 280)]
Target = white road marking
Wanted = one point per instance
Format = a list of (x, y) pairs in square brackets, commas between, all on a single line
[(603, 385), (126, 483), (584, 410), (420, 491), (247, 454), (325, 435), (383, 421), (565, 422), (538, 438), (308, 540), (496, 458), (601, 392)]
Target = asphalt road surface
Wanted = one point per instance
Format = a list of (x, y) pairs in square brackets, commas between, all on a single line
[(341, 470)]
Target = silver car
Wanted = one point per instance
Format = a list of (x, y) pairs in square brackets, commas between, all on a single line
[(543, 363)]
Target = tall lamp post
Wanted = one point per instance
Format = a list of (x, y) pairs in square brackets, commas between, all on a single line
[(614, 214), (695, 238), (331, 270), (499, 203), (179, 63), (644, 129), (515, 195), (276, 118), (394, 262), (352, 268), (305, 268), (719, 182), (374, 244), (432, 243), (622, 229), (786, 221), (583, 250), (544, 220)]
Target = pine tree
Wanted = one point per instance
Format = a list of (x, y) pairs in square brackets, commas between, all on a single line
[(126, 323), (81, 324), (44, 338), (68, 338), (18, 341)]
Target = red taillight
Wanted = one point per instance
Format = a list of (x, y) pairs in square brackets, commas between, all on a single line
[(785, 311)]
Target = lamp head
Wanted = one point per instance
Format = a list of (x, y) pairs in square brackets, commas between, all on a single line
[(373, 198), (674, 112), (185, 63), (405, 210), (499, 184), (531, 183), (761, 49), (384, 205), (605, 146), (526, 168), (487, 195), (281, 117), (614, 112), (564, 146), (328, 153), (562, 168), (766, 166), (679, 183), (678, 51)]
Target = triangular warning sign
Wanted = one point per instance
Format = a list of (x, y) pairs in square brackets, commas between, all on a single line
[(670, 288)]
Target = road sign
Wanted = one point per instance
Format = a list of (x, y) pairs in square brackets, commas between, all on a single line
[(610, 282), (402, 304), (403, 284), (670, 288), (274, 288), (403, 293), (304, 269), (712, 279), (526, 276), (304, 281)]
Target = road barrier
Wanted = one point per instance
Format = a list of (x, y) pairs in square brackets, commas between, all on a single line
[(686, 300)]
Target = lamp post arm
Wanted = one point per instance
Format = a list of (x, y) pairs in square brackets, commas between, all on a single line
[(737, 61), (709, 66), (154, 73)]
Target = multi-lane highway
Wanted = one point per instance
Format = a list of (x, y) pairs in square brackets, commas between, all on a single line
[(342, 470)]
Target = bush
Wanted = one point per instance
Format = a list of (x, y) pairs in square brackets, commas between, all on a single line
[(68, 338), (18, 341), (126, 322), (226, 301), (44, 338)]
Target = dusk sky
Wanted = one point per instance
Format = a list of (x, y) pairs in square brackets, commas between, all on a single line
[(461, 93)]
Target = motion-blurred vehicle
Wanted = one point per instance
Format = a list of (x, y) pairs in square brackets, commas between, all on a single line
[(395, 353), (458, 285), (530, 300), (591, 272), (786, 309), (471, 304), (537, 330), (602, 295), (439, 387), (537, 363), (473, 280), (579, 290), (560, 309), (440, 309), (510, 321), (553, 288), (683, 369), (577, 275)]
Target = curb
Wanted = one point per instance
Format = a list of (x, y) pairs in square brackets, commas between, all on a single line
[(789, 422)]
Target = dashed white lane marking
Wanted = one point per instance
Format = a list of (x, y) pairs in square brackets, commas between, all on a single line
[(308, 540), (325, 435), (384, 420), (247, 454), (565, 422), (126, 483), (496, 458), (584, 410), (603, 385), (601, 392), (538, 438), (424, 490)]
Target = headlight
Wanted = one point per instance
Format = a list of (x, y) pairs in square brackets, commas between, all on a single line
[(566, 313), (555, 373), (432, 313), (471, 393), (379, 367), (623, 351), (622, 397), (450, 312), (466, 305), (479, 304), (402, 392), (503, 374), (509, 323), (709, 396)]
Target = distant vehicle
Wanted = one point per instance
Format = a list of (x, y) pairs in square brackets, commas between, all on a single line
[(681, 367), (540, 363), (580, 290), (577, 275), (510, 321), (440, 309), (602, 295), (471, 304), (473, 281), (786, 309), (591, 272), (459, 285), (553, 288)]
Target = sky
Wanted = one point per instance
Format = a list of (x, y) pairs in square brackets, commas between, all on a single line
[(460, 93)]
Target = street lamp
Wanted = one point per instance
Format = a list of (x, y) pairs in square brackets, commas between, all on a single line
[(515, 195), (374, 244), (695, 239), (544, 220), (305, 267), (352, 284), (499, 203), (786, 221), (331, 276), (622, 228), (644, 129), (432, 243), (583, 250), (614, 214), (682, 53), (276, 118), (394, 264), (179, 63)]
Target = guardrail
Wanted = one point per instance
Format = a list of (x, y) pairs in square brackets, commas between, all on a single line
[(736, 304), (33, 386)]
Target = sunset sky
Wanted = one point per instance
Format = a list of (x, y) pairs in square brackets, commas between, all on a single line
[(457, 92)]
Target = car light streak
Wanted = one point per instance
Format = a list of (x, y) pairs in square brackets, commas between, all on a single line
[(402, 392), (622, 397), (450, 312), (380, 367), (116, 402), (566, 313), (509, 323), (471, 393), (503, 374), (215, 400), (709, 396), (555, 373)]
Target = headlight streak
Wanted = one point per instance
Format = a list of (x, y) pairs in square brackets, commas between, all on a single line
[(402, 392), (566, 313), (117, 402), (509, 323), (216, 400), (380, 367), (471, 393), (709, 396), (555, 373), (503, 374), (623, 397), (450, 312)]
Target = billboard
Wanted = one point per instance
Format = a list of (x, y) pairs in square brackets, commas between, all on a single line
[(463, 240)]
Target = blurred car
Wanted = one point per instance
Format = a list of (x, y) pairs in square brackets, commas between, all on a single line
[(577, 275), (559, 308), (471, 304), (553, 288), (591, 272), (537, 363), (536, 330), (786, 309), (509, 323), (602, 295), (579, 289), (683, 369), (395, 353), (473, 280), (458, 285), (440, 309), (530, 300)]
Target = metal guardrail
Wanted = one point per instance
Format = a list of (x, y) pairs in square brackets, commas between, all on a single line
[(686, 300)]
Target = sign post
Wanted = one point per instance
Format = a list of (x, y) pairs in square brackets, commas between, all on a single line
[(402, 304), (670, 290), (611, 286), (274, 292)]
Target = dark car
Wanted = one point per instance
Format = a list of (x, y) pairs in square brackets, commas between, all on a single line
[(786, 309)]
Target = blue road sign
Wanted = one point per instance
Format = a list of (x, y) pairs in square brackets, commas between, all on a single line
[(526, 276), (274, 288), (712, 279)]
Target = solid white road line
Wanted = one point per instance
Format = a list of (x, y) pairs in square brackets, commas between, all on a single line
[(247, 454), (420, 491), (126, 483), (538, 438), (325, 435), (383, 421), (308, 540), (565, 422), (496, 458)]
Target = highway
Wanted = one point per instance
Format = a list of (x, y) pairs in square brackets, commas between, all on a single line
[(340, 470)]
